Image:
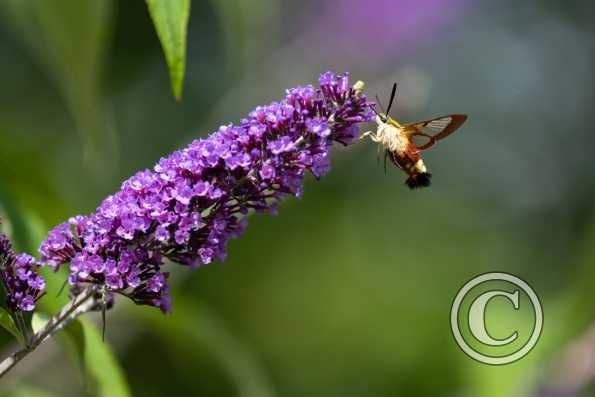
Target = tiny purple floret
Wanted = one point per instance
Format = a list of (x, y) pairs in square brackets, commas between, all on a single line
[(191, 203), (20, 276)]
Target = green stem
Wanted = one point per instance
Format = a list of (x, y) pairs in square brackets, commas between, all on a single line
[(73, 309)]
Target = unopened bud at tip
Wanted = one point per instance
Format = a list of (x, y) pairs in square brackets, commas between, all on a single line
[(358, 87)]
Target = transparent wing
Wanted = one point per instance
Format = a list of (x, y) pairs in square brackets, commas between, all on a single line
[(435, 129)]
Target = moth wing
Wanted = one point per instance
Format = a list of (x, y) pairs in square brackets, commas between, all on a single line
[(435, 129)]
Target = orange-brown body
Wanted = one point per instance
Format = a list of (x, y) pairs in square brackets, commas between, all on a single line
[(397, 140)]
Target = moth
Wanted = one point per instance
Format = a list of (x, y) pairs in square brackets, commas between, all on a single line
[(403, 143)]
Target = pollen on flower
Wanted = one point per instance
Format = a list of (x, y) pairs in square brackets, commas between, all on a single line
[(188, 206)]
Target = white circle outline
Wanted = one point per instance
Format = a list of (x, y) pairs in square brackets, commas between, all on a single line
[(501, 360)]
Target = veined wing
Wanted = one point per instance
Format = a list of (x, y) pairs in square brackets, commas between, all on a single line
[(435, 129)]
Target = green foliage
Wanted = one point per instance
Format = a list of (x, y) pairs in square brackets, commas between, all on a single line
[(171, 22), (99, 369), (7, 322), (194, 324), (14, 222), (38, 321), (98, 366), (75, 36), (250, 30), (26, 391)]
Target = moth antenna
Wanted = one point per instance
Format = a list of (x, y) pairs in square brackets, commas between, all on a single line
[(374, 110), (382, 116), (392, 98), (379, 104)]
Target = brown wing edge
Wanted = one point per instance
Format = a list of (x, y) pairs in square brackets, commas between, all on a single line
[(457, 121)]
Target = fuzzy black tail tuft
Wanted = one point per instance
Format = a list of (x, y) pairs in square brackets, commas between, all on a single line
[(418, 180)]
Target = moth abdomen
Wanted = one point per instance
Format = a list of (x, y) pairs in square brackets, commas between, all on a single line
[(416, 181)]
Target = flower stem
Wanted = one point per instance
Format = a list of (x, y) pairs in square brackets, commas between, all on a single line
[(82, 303)]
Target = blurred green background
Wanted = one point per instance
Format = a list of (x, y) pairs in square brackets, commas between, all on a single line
[(347, 291)]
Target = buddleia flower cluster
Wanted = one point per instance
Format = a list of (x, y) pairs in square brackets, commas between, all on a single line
[(191, 203), (20, 277)]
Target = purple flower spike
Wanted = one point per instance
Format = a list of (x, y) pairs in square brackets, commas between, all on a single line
[(192, 202), (20, 277)]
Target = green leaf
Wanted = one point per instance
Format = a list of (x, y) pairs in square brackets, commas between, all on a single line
[(194, 324), (99, 368), (25, 391), (7, 322), (170, 18), (70, 39), (250, 28), (38, 321), (14, 223)]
